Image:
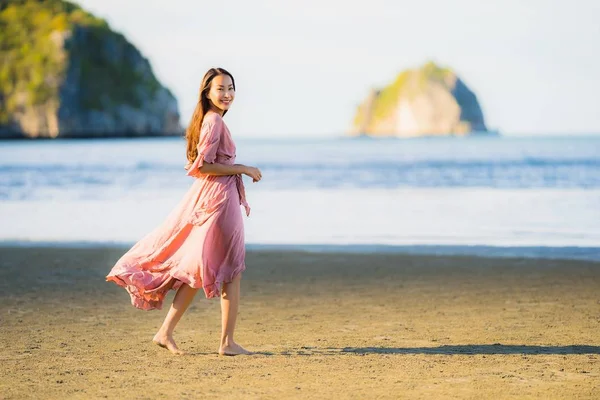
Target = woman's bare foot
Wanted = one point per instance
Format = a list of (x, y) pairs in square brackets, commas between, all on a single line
[(233, 349), (167, 342)]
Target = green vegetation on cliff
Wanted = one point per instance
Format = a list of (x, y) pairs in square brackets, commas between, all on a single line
[(388, 97), (426, 101), (34, 58), (31, 65)]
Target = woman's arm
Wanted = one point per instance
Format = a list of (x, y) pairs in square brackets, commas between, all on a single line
[(221, 169), (236, 169)]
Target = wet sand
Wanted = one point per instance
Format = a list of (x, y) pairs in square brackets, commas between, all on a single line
[(324, 326)]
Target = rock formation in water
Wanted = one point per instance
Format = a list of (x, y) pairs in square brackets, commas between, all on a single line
[(428, 101), (65, 73)]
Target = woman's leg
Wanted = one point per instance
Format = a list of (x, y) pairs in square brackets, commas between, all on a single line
[(230, 301), (164, 338)]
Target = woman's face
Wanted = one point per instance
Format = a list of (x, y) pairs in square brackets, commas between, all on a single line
[(221, 93)]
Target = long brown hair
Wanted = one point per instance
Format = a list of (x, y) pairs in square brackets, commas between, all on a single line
[(192, 133)]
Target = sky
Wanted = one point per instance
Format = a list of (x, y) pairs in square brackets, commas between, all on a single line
[(303, 66)]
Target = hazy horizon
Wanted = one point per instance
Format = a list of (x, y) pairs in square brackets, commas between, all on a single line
[(531, 64)]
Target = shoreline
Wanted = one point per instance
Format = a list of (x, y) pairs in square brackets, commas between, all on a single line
[(582, 253)]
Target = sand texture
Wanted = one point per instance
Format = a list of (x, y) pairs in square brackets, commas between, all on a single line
[(324, 325)]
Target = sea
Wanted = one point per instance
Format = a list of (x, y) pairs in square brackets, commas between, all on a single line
[(533, 196)]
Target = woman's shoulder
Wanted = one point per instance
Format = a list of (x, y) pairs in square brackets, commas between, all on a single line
[(213, 118)]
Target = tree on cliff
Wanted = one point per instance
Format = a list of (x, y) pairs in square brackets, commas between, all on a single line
[(427, 101), (64, 72)]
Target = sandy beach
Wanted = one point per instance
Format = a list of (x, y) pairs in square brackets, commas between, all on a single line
[(324, 326)]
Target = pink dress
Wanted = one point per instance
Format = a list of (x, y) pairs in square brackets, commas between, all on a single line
[(201, 242)]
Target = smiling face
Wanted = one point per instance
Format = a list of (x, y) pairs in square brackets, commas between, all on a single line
[(221, 93)]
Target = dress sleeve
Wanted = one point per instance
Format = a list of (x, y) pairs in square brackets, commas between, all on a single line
[(210, 136)]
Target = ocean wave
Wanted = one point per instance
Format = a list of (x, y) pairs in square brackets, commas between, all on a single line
[(35, 182), (295, 164), (107, 168)]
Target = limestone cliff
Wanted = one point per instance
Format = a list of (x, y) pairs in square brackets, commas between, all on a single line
[(427, 101), (65, 73)]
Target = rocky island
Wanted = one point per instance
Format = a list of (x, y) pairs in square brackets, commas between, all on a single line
[(66, 73), (428, 101)]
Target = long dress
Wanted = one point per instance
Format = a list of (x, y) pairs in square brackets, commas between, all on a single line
[(201, 242)]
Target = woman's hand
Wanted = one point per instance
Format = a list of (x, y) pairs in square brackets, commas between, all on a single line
[(253, 173)]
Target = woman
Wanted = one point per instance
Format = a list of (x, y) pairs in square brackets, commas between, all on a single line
[(201, 243)]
